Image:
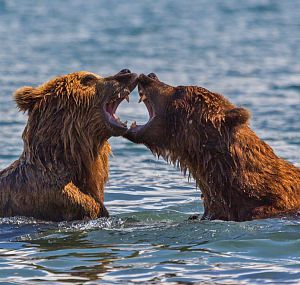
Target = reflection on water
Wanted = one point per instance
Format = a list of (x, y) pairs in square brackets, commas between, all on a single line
[(247, 50)]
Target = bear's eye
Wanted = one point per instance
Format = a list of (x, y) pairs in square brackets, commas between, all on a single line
[(88, 80)]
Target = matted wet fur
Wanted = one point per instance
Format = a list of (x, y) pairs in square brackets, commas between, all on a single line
[(240, 176), (63, 169)]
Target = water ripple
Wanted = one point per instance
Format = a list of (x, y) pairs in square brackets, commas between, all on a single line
[(246, 50)]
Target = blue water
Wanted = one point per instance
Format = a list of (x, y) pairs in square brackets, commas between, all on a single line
[(247, 50)]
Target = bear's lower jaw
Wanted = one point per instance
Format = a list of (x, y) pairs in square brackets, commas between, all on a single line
[(111, 108), (133, 134), (136, 132)]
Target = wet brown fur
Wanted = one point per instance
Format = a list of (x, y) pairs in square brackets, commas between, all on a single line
[(240, 176), (64, 166)]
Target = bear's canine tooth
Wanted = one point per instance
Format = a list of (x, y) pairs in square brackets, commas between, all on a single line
[(127, 98), (133, 125), (142, 98), (119, 95)]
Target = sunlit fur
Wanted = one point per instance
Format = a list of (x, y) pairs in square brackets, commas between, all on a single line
[(64, 166), (239, 175)]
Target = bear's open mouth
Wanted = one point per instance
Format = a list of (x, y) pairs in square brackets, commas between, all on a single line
[(143, 98), (111, 108)]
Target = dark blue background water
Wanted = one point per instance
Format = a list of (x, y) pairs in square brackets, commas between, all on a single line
[(247, 50)]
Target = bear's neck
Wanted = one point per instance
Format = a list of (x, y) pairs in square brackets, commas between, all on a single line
[(234, 172), (75, 157), (207, 157)]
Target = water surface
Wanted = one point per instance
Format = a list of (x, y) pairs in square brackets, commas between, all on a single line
[(247, 50)]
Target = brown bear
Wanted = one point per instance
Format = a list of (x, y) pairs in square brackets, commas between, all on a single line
[(239, 175), (63, 169)]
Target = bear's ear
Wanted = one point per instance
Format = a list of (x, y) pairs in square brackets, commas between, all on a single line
[(236, 117), (24, 98)]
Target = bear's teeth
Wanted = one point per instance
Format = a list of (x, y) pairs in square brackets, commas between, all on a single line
[(126, 91), (133, 125), (142, 98), (127, 98), (119, 95)]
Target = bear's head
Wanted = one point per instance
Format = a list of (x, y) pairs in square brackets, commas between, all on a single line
[(73, 114), (183, 117)]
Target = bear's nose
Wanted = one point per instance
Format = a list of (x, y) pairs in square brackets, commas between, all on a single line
[(124, 71), (152, 75)]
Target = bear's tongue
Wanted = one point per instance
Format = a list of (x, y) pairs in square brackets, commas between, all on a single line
[(111, 108)]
